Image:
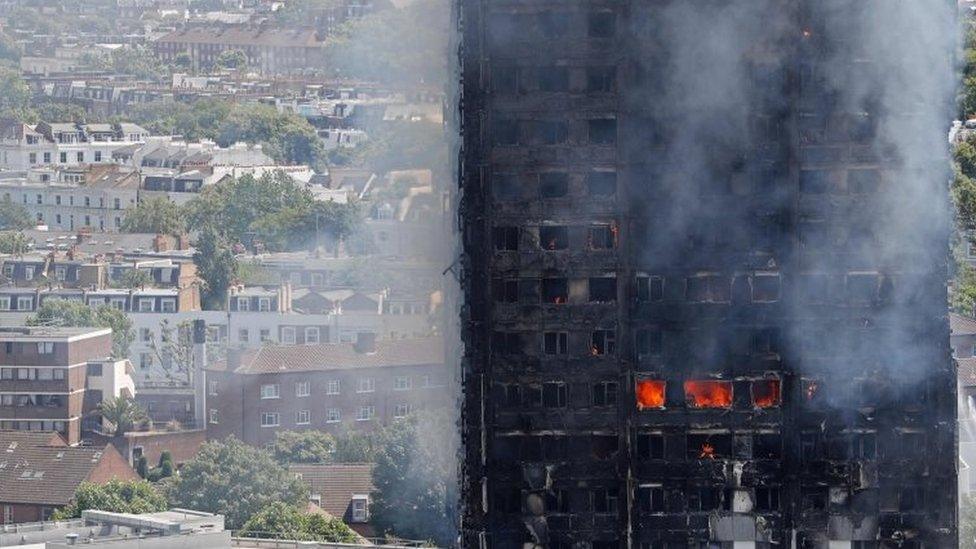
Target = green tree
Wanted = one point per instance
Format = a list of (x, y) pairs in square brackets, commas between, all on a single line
[(414, 479), (60, 312), (354, 447), (15, 243), (142, 467), (117, 496), (232, 478), (135, 279), (155, 215), (232, 59), (14, 216), (309, 446), (291, 522), (123, 413), (9, 48), (166, 467), (216, 265)]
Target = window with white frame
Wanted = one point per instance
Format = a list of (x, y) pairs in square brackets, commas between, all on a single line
[(270, 419), (29, 272), (4, 303), (264, 304), (312, 335), (303, 417), (8, 270), (45, 348), (25, 303), (212, 387), (365, 413), (333, 387), (401, 411), (265, 335), (61, 273), (213, 416), (119, 304), (270, 390), (401, 383), (288, 334), (243, 304), (302, 389), (167, 305), (333, 415), (243, 335), (366, 385), (145, 305), (360, 508)]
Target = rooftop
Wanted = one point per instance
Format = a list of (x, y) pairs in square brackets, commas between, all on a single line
[(337, 356), (961, 325), (48, 333)]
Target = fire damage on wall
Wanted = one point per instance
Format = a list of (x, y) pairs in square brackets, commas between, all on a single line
[(705, 276)]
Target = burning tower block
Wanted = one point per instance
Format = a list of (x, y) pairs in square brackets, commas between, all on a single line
[(705, 274)]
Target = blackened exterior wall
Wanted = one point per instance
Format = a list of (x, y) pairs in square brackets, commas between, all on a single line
[(660, 193)]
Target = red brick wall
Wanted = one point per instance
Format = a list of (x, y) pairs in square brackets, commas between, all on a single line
[(182, 445), (23, 513), (112, 465)]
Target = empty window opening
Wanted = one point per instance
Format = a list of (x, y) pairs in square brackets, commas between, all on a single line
[(603, 500), (506, 343), (603, 290), (650, 446), (601, 79), (602, 237), (708, 394), (767, 499), (554, 395), (555, 290), (650, 393), (650, 288), (602, 183), (553, 184), (605, 393), (650, 499), (766, 393), (603, 131), (553, 238), (767, 446), (553, 79), (505, 291), (603, 447), (556, 343)]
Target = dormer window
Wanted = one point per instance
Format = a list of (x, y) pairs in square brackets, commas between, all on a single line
[(360, 508)]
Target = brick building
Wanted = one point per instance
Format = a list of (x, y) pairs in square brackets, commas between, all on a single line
[(689, 228), (256, 393), (52, 379), (39, 473), (269, 50)]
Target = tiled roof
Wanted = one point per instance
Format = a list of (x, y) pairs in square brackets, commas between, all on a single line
[(43, 475), (336, 484), (338, 356), (967, 371), (30, 438), (962, 325)]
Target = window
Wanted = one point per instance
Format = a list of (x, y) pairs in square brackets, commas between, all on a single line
[(603, 342), (603, 501), (650, 446), (145, 334), (63, 158), (61, 273), (45, 348), (601, 24), (605, 393), (145, 360), (602, 183), (4, 303), (270, 390), (551, 132), (118, 304), (333, 415), (212, 388), (366, 385), (302, 389), (264, 304), (8, 270), (601, 79), (243, 335), (333, 387), (168, 305), (243, 304), (360, 510), (401, 411), (603, 131), (767, 499), (145, 305), (80, 156), (505, 131), (553, 184), (650, 499), (288, 334), (506, 186), (213, 417), (265, 335), (29, 272), (270, 419), (554, 395), (365, 413), (312, 335), (47, 158), (505, 291), (401, 383), (555, 290), (556, 343), (25, 303), (650, 288), (553, 79), (504, 80), (506, 238), (303, 417), (98, 158), (33, 158), (603, 290)]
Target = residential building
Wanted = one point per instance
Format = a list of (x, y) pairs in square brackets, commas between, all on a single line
[(24, 146), (254, 394), (269, 50), (53, 379), (39, 473), (699, 310), (343, 490)]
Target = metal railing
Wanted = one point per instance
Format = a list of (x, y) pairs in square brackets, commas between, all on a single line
[(284, 540), (27, 527)]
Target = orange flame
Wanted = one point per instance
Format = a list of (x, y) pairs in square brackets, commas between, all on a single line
[(708, 394), (766, 393), (650, 393), (707, 451)]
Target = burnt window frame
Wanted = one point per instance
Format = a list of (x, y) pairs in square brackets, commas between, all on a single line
[(648, 343), (651, 499), (650, 446), (604, 501), (505, 238), (601, 237), (559, 234), (601, 131), (608, 342), (555, 395), (553, 289), (560, 343), (505, 290), (604, 394), (600, 287), (550, 181)]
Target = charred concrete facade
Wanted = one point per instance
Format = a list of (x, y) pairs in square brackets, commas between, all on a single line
[(705, 274)]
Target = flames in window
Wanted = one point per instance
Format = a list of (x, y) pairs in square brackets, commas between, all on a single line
[(650, 393), (766, 393), (708, 394)]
